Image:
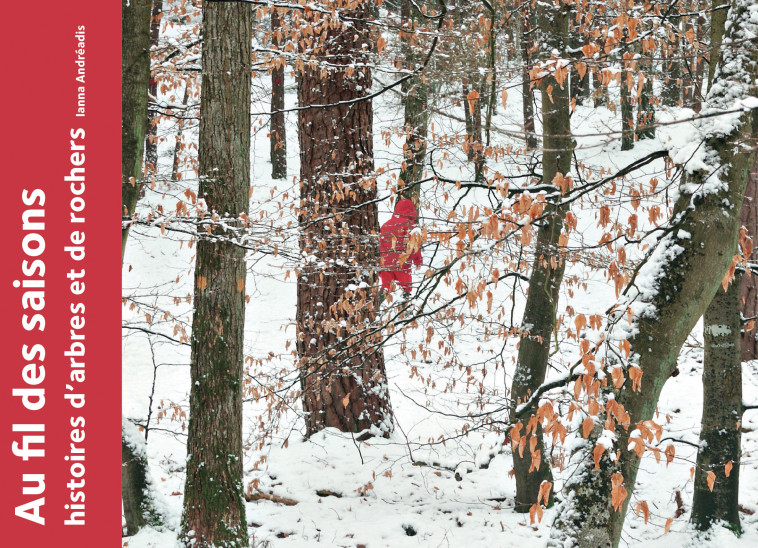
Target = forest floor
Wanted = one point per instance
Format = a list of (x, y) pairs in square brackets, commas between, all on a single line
[(412, 489)]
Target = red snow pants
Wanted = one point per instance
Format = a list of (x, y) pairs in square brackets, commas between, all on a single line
[(403, 279)]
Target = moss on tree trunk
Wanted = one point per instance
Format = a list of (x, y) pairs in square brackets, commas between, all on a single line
[(135, 75), (214, 507), (705, 233)]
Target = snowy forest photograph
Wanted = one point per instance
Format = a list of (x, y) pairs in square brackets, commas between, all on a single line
[(439, 273)]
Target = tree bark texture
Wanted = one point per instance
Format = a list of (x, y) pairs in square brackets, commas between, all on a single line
[(343, 379), (706, 232), (719, 10), (214, 507), (627, 104), (278, 137), (151, 142), (646, 105), (672, 85), (720, 432), (135, 74), (526, 84), (416, 105), (748, 300), (547, 270)]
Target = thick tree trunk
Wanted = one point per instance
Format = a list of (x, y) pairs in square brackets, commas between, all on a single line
[(151, 142), (526, 84), (720, 436), (214, 507), (135, 74), (416, 106), (547, 270), (749, 285), (687, 266), (720, 433), (278, 137), (343, 380)]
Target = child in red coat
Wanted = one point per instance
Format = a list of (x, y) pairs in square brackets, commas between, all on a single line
[(393, 247)]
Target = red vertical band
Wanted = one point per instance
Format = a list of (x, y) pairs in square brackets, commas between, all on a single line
[(61, 397)]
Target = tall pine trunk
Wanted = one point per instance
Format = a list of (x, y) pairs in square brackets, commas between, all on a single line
[(214, 507), (278, 131), (343, 380), (547, 269), (697, 253)]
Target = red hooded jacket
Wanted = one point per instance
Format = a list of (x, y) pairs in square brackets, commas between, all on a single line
[(393, 240)]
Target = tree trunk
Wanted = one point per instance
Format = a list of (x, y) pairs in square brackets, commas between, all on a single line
[(343, 380), (135, 74), (526, 85), (278, 137), (749, 285), (214, 506), (719, 11), (176, 163), (627, 105), (137, 493), (699, 59), (646, 106), (580, 86), (672, 71), (151, 143), (416, 106), (547, 270), (722, 413), (720, 433), (688, 60), (688, 269), (490, 96), (599, 91)]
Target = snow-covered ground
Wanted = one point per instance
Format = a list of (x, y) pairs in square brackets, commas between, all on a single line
[(428, 484)]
